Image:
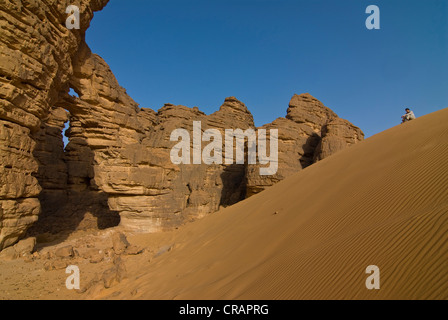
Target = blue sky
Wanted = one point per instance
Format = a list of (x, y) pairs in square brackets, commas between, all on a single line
[(197, 53)]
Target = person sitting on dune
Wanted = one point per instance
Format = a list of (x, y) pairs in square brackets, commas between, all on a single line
[(408, 116)]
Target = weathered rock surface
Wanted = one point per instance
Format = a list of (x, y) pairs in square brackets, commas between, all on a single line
[(309, 133), (119, 243), (36, 54), (117, 168), (65, 252), (337, 134), (22, 248)]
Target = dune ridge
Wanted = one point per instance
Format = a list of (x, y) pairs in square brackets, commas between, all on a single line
[(381, 202)]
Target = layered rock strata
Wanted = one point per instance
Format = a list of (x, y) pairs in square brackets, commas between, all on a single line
[(310, 132), (36, 55), (116, 168)]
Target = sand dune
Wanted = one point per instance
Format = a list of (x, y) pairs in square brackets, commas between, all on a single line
[(382, 202)]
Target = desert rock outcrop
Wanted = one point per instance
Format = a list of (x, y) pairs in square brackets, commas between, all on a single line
[(36, 54), (116, 168), (309, 133)]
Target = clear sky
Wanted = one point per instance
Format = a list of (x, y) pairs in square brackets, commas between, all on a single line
[(197, 53)]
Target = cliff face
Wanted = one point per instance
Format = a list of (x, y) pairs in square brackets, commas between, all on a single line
[(117, 167), (36, 56)]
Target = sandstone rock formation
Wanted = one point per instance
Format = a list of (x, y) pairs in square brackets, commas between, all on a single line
[(116, 168), (36, 57), (309, 133), (337, 134)]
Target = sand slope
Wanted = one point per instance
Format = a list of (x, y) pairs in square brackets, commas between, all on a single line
[(382, 202)]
